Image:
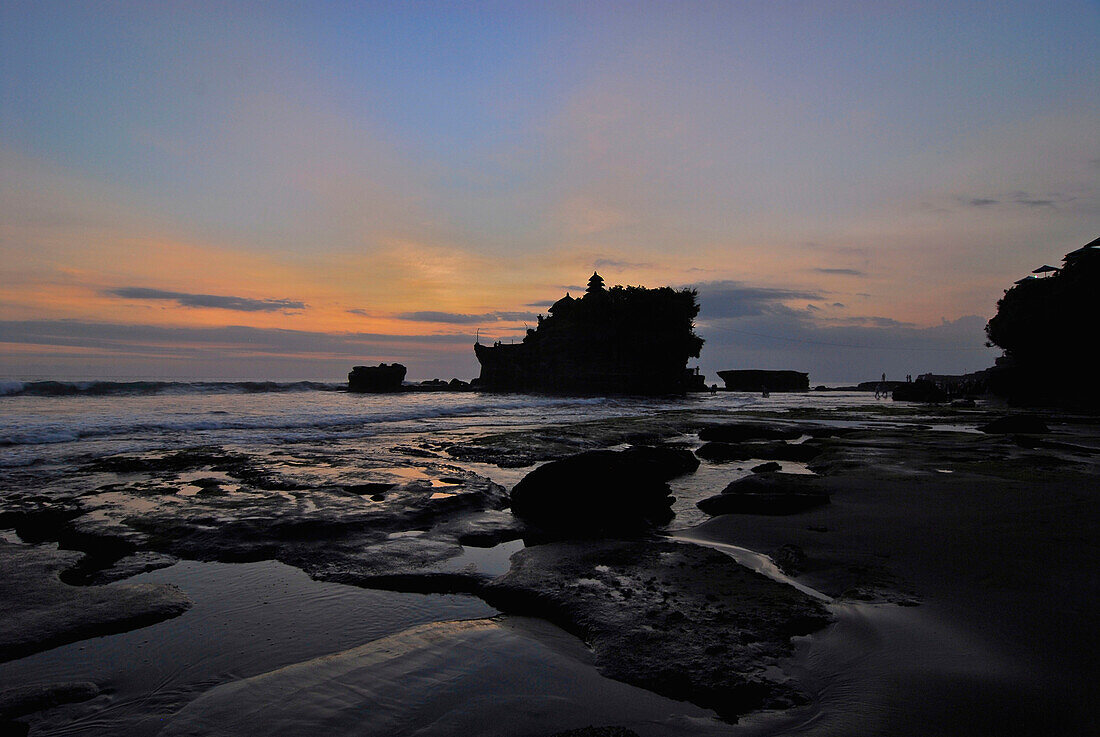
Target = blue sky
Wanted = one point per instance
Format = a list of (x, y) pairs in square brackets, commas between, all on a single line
[(850, 185)]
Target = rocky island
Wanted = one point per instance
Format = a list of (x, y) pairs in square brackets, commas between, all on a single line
[(376, 379), (623, 340)]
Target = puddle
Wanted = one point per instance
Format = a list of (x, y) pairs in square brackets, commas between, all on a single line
[(492, 561), (248, 618)]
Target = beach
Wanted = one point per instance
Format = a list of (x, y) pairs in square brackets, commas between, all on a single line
[(308, 556)]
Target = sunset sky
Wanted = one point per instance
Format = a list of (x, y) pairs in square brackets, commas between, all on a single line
[(283, 190)]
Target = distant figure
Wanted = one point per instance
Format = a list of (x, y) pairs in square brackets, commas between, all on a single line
[(884, 378), (765, 393)]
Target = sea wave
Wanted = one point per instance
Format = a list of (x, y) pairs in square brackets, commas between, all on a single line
[(147, 388), (275, 424)]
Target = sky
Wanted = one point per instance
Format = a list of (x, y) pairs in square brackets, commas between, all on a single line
[(281, 190)]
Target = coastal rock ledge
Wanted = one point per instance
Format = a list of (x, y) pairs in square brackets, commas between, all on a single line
[(682, 620)]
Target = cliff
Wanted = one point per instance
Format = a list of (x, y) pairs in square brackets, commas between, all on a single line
[(623, 340), (1047, 326)]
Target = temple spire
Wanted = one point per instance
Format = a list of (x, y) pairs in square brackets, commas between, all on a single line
[(595, 284)]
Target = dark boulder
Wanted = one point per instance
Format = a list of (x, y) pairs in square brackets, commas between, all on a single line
[(598, 491), (919, 391), (663, 462), (768, 493), (376, 379), (740, 432), (771, 451), (1013, 424), (766, 467)]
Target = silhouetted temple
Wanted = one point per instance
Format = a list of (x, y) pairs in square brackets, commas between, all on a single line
[(624, 340)]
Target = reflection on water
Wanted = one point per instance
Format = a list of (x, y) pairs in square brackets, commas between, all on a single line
[(247, 619), (501, 678)]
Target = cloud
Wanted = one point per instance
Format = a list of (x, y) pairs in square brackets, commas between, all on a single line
[(840, 272), (188, 341), (360, 312), (610, 263), (459, 318), (214, 301), (1017, 200), (731, 299)]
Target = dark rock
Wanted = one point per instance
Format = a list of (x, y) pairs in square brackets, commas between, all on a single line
[(740, 432), (376, 379), (370, 489), (765, 467), (598, 491), (131, 565), (184, 460), (1013, 424), (597, 732), (825, 431), (703, 598), (14, 729), (40, 612), (790, 558), (21, 700), (662, 462), (775, 450), (768, 493), (753, 380), (919, 391), (964, 404)]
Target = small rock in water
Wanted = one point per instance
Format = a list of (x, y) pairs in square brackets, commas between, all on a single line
[(765, 467), (740, 432), (768, 493), (1024, 424)]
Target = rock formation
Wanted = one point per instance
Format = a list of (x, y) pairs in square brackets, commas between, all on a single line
[(373, 379), (624, 340), (1046, 326), (752, 380)]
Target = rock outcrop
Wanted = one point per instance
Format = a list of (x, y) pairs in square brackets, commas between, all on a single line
[(376, 379), (768, 493), (679, 619), (41, 612), (919, 391), (623, 340), (601, 491), (1046, 326), (754, 380)]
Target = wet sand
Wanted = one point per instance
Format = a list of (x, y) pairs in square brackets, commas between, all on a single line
[(1001, 558)]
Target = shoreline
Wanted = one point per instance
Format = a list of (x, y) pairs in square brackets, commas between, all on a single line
[(889, 487)]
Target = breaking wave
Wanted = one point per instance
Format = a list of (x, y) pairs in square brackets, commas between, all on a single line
[(147, 388)]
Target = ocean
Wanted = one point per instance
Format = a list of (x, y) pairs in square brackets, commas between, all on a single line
[(52, 422)]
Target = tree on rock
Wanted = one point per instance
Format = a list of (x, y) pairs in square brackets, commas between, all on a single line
[(1046, 326)]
